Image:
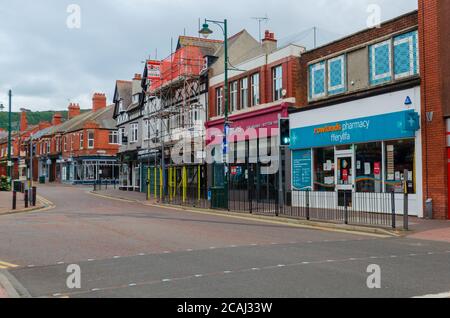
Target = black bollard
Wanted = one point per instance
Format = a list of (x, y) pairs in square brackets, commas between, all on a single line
[(14, 202), (34, 192), (26, 199)]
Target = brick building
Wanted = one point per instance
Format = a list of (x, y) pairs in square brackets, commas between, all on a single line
[(81, 150), (434, 38), (390, 77), (263, 85)]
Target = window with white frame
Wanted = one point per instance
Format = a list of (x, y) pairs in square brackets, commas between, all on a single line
[(219, 101), (121, 135), (277, 75), (48, 146), (136, 98), (244, 93), (146, 131), (121, 109), (91, 141), (82, 140), (255, 97), (134, 130), (233, 96), (113, 137), (65, 143)]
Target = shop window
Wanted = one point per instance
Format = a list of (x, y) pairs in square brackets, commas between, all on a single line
[(324, 169), (369, 164), (400, 156)]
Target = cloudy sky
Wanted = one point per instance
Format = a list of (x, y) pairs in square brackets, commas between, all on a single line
[(47, 64)]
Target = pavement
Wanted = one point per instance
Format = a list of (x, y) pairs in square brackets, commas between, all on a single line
[(127, 249), (6, 203)]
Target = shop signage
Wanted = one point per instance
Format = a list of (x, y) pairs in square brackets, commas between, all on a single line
[(301, 170), (382, 127)]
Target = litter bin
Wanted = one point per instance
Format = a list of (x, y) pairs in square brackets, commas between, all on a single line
[(218, 198), (18, 186), (42, 179), (429, 208)]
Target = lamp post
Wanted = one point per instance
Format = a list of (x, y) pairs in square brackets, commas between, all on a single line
[(9, 140), (206, 32)]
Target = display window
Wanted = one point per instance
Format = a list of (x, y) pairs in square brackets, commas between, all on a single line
[(369, 167), (324, 169), (400, 165)]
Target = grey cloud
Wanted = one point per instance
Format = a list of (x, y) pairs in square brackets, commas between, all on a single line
[(46, 64)]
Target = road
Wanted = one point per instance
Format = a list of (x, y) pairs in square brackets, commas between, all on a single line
[(130, 250)]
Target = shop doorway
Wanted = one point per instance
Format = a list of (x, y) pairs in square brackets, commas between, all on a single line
[(345, 177)]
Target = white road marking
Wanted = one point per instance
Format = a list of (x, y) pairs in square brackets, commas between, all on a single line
[(166, 280), (212, 248), (198, 276), (141, 254), (255, 269), (227, 272), (31, 266), (305, 263), (60, 263), (91, 260), (56, 295), (95, 289), (167, 252), (116, 257), (281, 265), (189, 250), (441, 295), (132, 285)]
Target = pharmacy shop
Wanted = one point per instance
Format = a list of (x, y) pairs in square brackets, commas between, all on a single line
[(370, 145)]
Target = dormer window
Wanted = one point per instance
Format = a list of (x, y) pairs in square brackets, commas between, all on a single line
[(136, 98), (121, 109)]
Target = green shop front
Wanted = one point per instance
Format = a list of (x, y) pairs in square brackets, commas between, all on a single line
[(365, 155)]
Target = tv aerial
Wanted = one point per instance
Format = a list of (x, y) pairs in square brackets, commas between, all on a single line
[(260, 21)]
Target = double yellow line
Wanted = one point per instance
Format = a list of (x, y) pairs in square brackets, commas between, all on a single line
[(6, 265)]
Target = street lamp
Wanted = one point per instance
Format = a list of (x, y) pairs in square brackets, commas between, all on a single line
[(206, 32), (9, 170)]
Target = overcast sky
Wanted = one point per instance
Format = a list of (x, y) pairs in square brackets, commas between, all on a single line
[(48, 65)]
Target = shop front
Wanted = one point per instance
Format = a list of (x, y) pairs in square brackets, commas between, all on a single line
[(252, 165), (130, 172), (365, 147)]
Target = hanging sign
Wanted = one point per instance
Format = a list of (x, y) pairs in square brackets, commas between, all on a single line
[(153, 70)]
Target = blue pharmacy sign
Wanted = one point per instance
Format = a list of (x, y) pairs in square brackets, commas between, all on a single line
[(399, 125), (302, 170)]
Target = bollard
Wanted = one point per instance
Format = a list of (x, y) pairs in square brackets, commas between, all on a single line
[(393, 209), (308, 217), (25, 195), (34, 192), (14, 202)]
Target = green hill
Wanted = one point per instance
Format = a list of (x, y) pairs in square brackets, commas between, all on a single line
[(33, 118)]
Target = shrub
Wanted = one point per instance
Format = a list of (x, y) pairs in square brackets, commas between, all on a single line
[(4, 185)]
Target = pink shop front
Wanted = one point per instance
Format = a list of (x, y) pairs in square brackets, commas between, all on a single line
[(252, 151)]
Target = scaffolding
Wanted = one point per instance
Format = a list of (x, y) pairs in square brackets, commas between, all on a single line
[(176, 111)]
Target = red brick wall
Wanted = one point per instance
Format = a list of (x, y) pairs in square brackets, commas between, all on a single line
[(360, 38), (101, 143), (433, 134), (291, 66)]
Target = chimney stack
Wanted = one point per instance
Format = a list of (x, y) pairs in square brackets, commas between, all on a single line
[(43, 125), (57, 119), (98, 102), (74, 111), (269, 42), (23, 121)]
